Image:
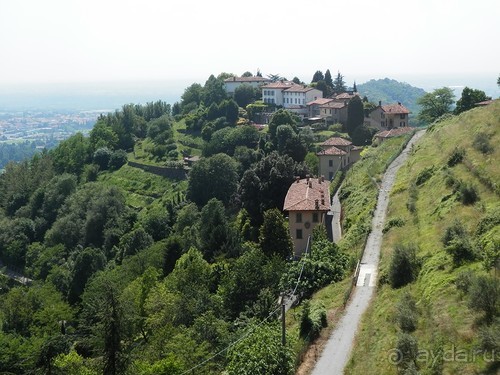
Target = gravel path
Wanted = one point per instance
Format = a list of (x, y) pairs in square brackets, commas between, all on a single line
[(336, 209), (339, 346)]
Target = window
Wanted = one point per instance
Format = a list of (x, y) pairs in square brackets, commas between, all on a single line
[(330, 163), (402, 116), (315, 217), (298, 234), (299, 217)]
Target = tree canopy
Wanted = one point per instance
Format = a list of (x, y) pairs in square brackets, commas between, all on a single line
[(435, 104)]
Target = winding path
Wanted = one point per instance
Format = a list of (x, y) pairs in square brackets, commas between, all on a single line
[(339, 345)]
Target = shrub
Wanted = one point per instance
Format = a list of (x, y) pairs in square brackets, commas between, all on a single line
[(489, 338), (482, 143), (467, 193), (335, 128), (424, 175), (485, 296), (404, 266), (393, 222), (312, 321), (464, 280), (456, 156), (411, 204), (457, 243), (406, 313), (407, 347)]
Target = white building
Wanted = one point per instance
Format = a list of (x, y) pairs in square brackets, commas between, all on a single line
[(290, 95), (232, 83)]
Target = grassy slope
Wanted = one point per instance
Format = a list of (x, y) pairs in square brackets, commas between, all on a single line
[(361, 181), (444, 318)]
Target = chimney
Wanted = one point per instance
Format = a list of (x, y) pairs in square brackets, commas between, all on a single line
[(322, 178), (307, 178), (399, 103), (380, 103), (297, 179), (319, 179), (310, 184)]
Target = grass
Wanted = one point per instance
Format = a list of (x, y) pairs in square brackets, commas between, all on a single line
[(444, 319), (142, 188)]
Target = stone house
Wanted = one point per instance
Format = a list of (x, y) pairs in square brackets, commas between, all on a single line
[(307, 203), (336, 154)]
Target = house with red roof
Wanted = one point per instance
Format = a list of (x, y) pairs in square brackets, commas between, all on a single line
[(307, 203), (394, 132), (336, 154), (290, 95), (388, 116)]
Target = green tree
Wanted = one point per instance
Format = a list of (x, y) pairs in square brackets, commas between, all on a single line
[(282, 117), (355, 114), (214, 229), (469, 99), (262, 354), (324, 88), (192, 94), (328, 79), (72, 154), (213, 91), (87, 262), (339, 84), (213, 177), (484, 295), (244, 95), (435, 104), (363, 135), (404, 266), (103, 320), (102, 135), (318, 76), (274, 237)]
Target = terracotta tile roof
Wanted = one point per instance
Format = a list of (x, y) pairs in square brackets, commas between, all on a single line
[(333, 104), (299, 88), (332, 151), (302, 196), (279, 85), (336, 141), (247, 79), (394, 132), (346, 95), (320, 101), (396, 108)]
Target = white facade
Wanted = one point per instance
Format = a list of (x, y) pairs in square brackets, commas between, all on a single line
[(290, 95), (232, 83)]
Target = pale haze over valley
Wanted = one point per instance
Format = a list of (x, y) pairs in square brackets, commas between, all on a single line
[(130, 50)]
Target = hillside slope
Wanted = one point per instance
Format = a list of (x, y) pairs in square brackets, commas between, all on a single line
[(390, 91), (433, 209)]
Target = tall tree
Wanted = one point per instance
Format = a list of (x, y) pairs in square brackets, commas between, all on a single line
[(469, 99), (354, 88), (325, 89), (213, 91), (339, 84), (328, 78), (435, 104), (282, 117), (274, 237), (244, 95), (213, 177), (214, 230), (318, 76), (247, 74), (355, 114)]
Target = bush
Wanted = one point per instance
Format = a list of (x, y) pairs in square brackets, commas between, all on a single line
[(407, 347), (457, 243), (456, 156), (404, 265), (411, 204), (312, 321), (485, 296), (406, 313), (464, 280), (117, 159), (393, 222), (489, 339), (482, 143), (467, 193), (424, 175)]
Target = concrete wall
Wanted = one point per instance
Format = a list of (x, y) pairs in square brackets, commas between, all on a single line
[(324, 165)]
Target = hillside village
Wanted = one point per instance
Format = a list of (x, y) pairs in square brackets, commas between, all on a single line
[(167, 236)]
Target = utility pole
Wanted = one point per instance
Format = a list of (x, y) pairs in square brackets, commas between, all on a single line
[(283, 328)]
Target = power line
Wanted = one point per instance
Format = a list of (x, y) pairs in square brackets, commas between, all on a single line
[(253, 328), (250, 331)]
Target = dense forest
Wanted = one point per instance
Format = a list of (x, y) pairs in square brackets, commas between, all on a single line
[(135, 273)]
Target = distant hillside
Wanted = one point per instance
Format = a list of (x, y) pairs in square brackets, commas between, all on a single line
[(445, 206), (389, 91)]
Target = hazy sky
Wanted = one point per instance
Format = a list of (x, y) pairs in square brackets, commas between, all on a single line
[(108, 40)]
